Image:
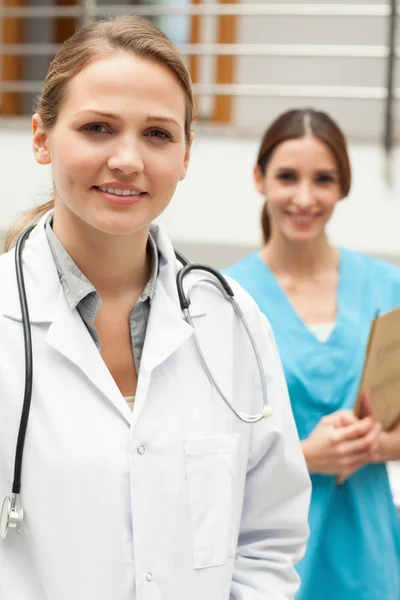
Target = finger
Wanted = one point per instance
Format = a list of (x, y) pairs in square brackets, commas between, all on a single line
[(356, 430), (376, 447), (377, 430), (361, 444), (341, 418), (353, 463), (345, 420)]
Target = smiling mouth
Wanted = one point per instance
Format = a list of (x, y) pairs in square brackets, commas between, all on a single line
[(118, 191), (303, 218)]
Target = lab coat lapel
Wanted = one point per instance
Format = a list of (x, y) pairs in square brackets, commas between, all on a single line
[(166, 332), (47, 304), (70, 338), (167, 329)]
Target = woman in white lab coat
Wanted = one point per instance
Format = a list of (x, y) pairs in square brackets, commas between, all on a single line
[(178, 499)]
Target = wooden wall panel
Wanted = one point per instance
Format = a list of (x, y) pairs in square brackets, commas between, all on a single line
[(195, 38), (225, 67), (12, 67), (64, 27)]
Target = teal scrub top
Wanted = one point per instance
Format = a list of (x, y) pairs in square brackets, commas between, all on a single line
[(354, 547)]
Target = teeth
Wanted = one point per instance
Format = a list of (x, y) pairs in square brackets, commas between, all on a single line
[(119, 192), (305, 219)]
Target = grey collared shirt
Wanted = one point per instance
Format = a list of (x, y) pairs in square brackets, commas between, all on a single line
[(82, 295)]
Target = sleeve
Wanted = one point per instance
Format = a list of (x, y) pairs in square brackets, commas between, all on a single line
[(274, 523)]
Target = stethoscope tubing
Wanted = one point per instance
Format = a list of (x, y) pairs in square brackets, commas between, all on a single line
[(26, 324), (226, 290)]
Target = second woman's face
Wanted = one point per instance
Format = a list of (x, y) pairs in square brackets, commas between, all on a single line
[(302, 186), (118, 148)]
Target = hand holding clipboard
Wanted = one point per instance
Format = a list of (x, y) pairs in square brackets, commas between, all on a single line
[(379, 391)]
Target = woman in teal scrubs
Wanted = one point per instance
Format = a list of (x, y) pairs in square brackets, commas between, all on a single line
[(320, 301)]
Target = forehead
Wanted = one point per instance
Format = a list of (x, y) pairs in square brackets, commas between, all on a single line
[(127, 85), (306, 153)]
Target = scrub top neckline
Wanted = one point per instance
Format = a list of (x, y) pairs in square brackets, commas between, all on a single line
[(340, 290)]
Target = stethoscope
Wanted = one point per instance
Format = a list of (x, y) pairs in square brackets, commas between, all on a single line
[(12, 513)]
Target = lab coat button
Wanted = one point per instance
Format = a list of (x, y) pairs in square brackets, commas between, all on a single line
[(149, 577), (141, 449)]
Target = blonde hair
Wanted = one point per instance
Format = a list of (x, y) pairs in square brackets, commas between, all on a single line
[(128, 33)]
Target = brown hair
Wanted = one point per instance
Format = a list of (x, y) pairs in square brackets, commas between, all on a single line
[(128, 33), (295, 124)]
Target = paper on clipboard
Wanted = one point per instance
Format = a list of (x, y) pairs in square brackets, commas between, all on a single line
[(381, 373)]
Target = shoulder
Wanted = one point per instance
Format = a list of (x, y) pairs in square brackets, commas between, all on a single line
[(373, 267), (209, 299), (256, 319), (251, 273), (378, 280), (243, 267), (7, 262)]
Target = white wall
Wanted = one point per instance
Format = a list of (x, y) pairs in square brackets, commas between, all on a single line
[(217, 203)]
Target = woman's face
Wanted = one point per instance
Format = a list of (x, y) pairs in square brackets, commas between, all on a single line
[(118, 148), (302, 186)]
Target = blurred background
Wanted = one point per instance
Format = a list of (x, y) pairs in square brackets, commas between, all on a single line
[(249, 61)]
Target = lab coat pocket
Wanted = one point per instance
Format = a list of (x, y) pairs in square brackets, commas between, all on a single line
[(211, 465)]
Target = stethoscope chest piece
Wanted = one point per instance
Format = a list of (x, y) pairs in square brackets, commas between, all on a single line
[(11, 516)]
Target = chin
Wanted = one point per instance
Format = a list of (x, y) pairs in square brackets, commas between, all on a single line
[(303, 236), (122, 225)]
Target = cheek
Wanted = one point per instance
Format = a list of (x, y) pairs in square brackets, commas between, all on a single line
[(73, 163), (328, 199), (279, 197), (277, 191), (165, 167)]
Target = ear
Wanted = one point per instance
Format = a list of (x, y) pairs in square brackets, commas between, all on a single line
[(186, 158), (259, 179), (40, 141)]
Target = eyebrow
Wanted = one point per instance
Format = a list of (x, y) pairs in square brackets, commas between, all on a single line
[(163, 120), (116, 117), (328, 171), (319, 171)]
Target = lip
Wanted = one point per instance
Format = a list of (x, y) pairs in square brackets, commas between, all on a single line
[(120, 200), (299, 223)]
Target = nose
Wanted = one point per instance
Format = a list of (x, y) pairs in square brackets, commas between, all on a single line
[(126, 158), (304, 197)]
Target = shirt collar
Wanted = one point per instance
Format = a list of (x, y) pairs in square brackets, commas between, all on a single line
[(75, 285)]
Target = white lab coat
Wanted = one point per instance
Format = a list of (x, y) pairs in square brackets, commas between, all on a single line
[(177, 501)]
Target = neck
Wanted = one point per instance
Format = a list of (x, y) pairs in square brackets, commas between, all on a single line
[(299, 259), (112, 263)]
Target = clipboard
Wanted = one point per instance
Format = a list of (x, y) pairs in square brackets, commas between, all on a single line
[(381, 372)]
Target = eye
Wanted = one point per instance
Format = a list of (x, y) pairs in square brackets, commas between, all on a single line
[(159, 133), (95, 128), (286, 176), (325, 179)]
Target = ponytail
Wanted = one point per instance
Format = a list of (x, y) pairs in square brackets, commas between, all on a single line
[(30, 217), (265, 223)]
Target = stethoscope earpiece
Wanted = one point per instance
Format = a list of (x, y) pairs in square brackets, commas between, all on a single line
[(267, 412)]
